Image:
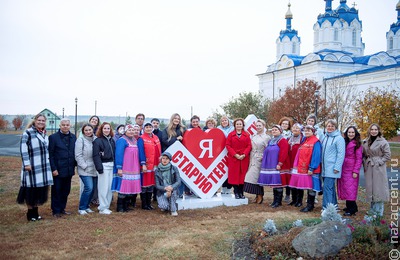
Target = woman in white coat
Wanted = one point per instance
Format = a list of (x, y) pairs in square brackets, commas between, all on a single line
[(258, 144)]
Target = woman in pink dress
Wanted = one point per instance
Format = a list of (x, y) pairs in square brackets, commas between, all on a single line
[(129, 158), (306, 167), (348, 184)]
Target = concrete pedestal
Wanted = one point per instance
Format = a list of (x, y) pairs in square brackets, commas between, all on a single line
[(193, 202)]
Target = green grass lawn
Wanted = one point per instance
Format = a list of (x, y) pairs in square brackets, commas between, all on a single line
[(395, 150)]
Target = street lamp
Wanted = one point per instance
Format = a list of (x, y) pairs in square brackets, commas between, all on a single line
[(63, 113), (316, 94), (76, 115)]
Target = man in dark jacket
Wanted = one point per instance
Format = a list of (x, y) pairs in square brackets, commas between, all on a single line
[(156, 128), (62, 163)]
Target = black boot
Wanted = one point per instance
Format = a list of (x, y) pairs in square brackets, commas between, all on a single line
[(299, 201), (279, 196), (351, 209), (274, 194), (148, 198), (120, 204), (236, 191), (133, 200), (310, 203), (145, 202), (125, 204), (30, 215), (143, 199), (36, 213), (294, 197), (241, 195)]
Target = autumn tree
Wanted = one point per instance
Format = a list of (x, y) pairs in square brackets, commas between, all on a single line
[(17, 122), (3, 123), (245, 104), (341, 96), (298, 102), (381, 106)]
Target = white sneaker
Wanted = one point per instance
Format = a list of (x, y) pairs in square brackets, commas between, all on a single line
[(82, 212), (88, 210), (105, 211), (174, 213)]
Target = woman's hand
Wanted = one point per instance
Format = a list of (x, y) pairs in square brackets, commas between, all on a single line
[(144, 168), (278, 167), (310, 172), (55, 173), (28, 168), (179, 138), (119, 172), (355, 175)]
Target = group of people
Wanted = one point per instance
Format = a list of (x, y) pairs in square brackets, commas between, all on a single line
[(135, 160), (130, 162), (300, 158)]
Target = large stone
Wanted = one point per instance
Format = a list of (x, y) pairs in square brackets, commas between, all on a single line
[(322, 240)]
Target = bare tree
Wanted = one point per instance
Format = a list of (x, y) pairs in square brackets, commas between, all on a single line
[(341, 96)]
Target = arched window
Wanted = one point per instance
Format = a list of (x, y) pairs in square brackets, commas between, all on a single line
[(354, 37), (336, 35), (293, 47), (391, 43)]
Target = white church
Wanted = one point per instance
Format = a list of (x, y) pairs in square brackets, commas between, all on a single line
[(338, 54)]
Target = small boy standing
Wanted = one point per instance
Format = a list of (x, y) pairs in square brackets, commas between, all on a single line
[(167, 184)]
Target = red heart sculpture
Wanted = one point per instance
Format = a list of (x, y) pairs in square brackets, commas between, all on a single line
[(198, 143)]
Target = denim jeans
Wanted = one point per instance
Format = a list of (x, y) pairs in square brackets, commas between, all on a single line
[(89, 182), (329, 192)]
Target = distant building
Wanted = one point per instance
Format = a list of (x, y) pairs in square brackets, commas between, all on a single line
[(338, 54), (53, 121)]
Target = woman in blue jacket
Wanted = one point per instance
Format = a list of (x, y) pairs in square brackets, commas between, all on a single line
[(333, 152)]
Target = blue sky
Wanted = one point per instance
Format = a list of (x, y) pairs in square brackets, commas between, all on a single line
[(156, 56)]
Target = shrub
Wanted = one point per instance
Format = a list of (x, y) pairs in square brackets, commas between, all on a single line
[(270, 227), (330, 213)]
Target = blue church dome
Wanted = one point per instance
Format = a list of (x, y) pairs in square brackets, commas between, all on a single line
[(329, 15), (289, 32), (394, 27), (346, 13)]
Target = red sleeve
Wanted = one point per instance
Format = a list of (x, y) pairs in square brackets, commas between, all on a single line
[(283, 151), (228, 145)]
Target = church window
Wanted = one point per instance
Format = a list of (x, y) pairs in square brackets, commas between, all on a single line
[(294, 47), (336, 35), (391, 43), (354, 37)]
